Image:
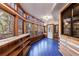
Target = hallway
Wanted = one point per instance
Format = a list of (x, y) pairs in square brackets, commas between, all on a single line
[(45, 47), (39, 29)]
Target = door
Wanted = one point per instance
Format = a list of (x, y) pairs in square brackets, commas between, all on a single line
[(50, 31)]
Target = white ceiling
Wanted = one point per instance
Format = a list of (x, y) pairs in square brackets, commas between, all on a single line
[(38, 9), (42, 9)]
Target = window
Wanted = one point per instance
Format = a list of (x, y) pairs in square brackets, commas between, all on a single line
[(29, 28), (39, 29), (20, 23), (29, 17), (75, 20), (66, 21), (76, 26), (35, 29), (12, 5), (6, 25), (70, 21), (56, 28), (67, 26), (20, 11)]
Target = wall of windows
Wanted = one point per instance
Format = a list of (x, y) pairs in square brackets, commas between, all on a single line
[(11, 25), (6, 24)]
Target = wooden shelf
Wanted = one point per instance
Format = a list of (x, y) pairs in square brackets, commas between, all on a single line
[(16, 52), (14, 47), (25, 50), (18, 47)]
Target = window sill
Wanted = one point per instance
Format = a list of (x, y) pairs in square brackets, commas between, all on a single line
[(7, 40)]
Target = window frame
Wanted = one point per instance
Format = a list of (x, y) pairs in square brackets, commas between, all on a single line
[(9, 25), (72, 24)]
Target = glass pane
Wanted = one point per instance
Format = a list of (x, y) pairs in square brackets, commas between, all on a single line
[(76, 10), (29, 17), (35, 29), (20, 22), (39, 30), (29, 28), (67, 26), (12, 5), (20, 11), (6, 25), (76, 26)]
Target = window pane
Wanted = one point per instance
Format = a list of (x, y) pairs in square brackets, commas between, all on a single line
[(75, 20), (39, 29), (6, 25), (29, 17), (12, 5), (76, 9), (20, 22), (35, 29), (76, 26), (29, 28), (67, 26), (20, 11)]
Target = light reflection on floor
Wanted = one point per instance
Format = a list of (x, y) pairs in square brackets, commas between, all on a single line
[(45, 47)]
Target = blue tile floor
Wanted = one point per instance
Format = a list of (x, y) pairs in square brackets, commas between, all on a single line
[(45, 47)]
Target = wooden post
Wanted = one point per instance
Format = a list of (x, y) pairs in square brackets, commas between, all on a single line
[(16, 22), (16, 26), (24, 25)]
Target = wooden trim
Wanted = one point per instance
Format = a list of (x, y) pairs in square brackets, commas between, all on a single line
[(66, 6)]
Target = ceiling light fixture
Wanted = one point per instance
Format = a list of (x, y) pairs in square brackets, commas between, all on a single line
[(46, 17)]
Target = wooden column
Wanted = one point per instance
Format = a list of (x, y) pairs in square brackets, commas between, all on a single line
[(16, 25), (33, 28), (24, 25), (16, 22)]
